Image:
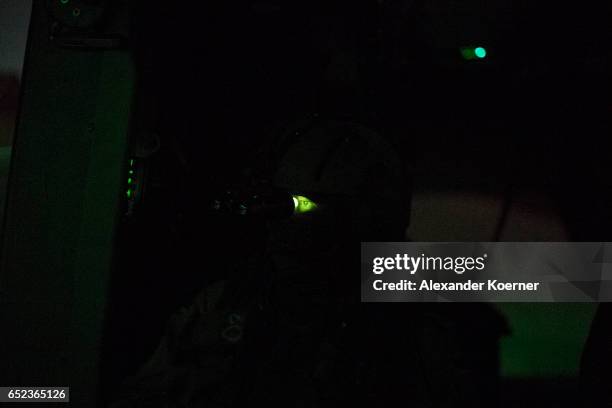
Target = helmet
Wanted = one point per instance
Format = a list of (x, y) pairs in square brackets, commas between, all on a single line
[(348, 176), (322, 172)]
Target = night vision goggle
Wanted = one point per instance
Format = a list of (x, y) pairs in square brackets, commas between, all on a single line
[(269, 203)]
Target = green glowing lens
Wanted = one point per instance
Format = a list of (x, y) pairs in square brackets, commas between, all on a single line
[(129, 194), (480, 52), (303, 205)]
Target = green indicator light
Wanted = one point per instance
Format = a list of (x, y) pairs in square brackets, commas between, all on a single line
[(131, 172), (303, 205), (129, 194), (130, 180), (470, 53), (131, 162)]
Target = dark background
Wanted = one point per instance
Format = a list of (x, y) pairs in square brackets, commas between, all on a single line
[(511, 147), (523, 131)]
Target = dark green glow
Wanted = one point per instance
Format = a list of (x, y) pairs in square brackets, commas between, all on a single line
[(470, 53), (303, 204), (129, 194), (546, 340), (467, 53), (130, 180), (64, 1), (131, 162)]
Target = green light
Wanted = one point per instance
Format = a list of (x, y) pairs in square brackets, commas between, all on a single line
[(470, 53), (303, 205), (131, 162), (64, 1), (480, 52), (130, 180), (129, 194), (131, 171)]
